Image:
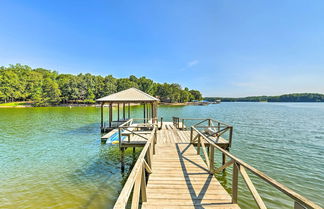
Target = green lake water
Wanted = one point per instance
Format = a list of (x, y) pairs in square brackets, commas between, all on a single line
[(52, 157)]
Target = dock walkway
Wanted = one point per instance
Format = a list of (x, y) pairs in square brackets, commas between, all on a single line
[(179, 177)]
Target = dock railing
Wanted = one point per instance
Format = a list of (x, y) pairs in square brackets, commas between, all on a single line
[(136, 181), (217, 128), (241, 167), (132, 128)]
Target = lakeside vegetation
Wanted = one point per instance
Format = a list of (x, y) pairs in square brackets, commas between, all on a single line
[(296, 97), (46, 87)]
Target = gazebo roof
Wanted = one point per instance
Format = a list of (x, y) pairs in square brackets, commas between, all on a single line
[(128, 95)]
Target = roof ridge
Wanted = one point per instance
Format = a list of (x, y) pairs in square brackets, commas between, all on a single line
[(140, 91)]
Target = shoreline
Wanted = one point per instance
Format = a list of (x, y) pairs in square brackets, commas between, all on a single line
[(93, 105), (161, 103)]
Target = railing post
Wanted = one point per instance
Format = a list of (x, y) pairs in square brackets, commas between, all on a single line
[(230, 136), (119, 136), (211, 159), (218, 126), (182, 124), (155, 140), (178, 120), (235, 183), (191, 135), (198, 145), (224, 160), (209, 122), (148, 156), (102, 121), (143, 185)]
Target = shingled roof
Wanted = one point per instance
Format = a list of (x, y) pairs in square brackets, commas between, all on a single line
[(128, 95)]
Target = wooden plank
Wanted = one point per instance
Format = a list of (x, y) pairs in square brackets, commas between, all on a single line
[(177, 167)]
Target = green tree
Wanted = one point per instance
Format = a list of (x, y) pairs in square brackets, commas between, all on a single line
[(51, 91), (124, 83), (196, 94), (146, 85), (21, 82)]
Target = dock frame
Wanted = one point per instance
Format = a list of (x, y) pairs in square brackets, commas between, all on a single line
[(176, 169)]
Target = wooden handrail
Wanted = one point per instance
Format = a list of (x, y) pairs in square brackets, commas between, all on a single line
[(136, 180), (128, 124), (220, 129), (241, 165), (204, 119)]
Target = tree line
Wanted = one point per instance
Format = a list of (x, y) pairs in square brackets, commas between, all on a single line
[(46, 87), (297, 97)]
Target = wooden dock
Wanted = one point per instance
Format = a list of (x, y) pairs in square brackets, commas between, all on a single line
[(180, 178), (171, 173), (176, 167)]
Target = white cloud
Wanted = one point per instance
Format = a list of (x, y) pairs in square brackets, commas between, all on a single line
[(192, 63)]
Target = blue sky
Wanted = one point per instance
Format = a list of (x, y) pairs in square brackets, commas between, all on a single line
[(221, 47)]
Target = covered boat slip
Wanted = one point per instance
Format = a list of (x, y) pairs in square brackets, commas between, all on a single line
[(122, 101)]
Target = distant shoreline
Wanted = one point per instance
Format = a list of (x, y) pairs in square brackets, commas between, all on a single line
[(162, 103), (295, 97)]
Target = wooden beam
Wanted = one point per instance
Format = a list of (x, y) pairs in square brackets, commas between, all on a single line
[(229, 163), (143, 185), (235, 183), (205, 153), (147, 167), (223, 160), (136, 191), (198, 145), (252, 189), (230, 136), (118, 112), (144, 111), (110, 114), (124, 111), (101, 110), (152, 113), (211, 159)]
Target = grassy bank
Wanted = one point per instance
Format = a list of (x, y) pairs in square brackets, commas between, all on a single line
[(16, 104)]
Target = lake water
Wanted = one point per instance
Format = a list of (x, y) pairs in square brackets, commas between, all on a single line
[(52, 157)]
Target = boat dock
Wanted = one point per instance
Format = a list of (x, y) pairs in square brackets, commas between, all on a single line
[(180, 178), (176, 167)]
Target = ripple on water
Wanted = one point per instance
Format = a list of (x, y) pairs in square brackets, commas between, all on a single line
[(53, 158)]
